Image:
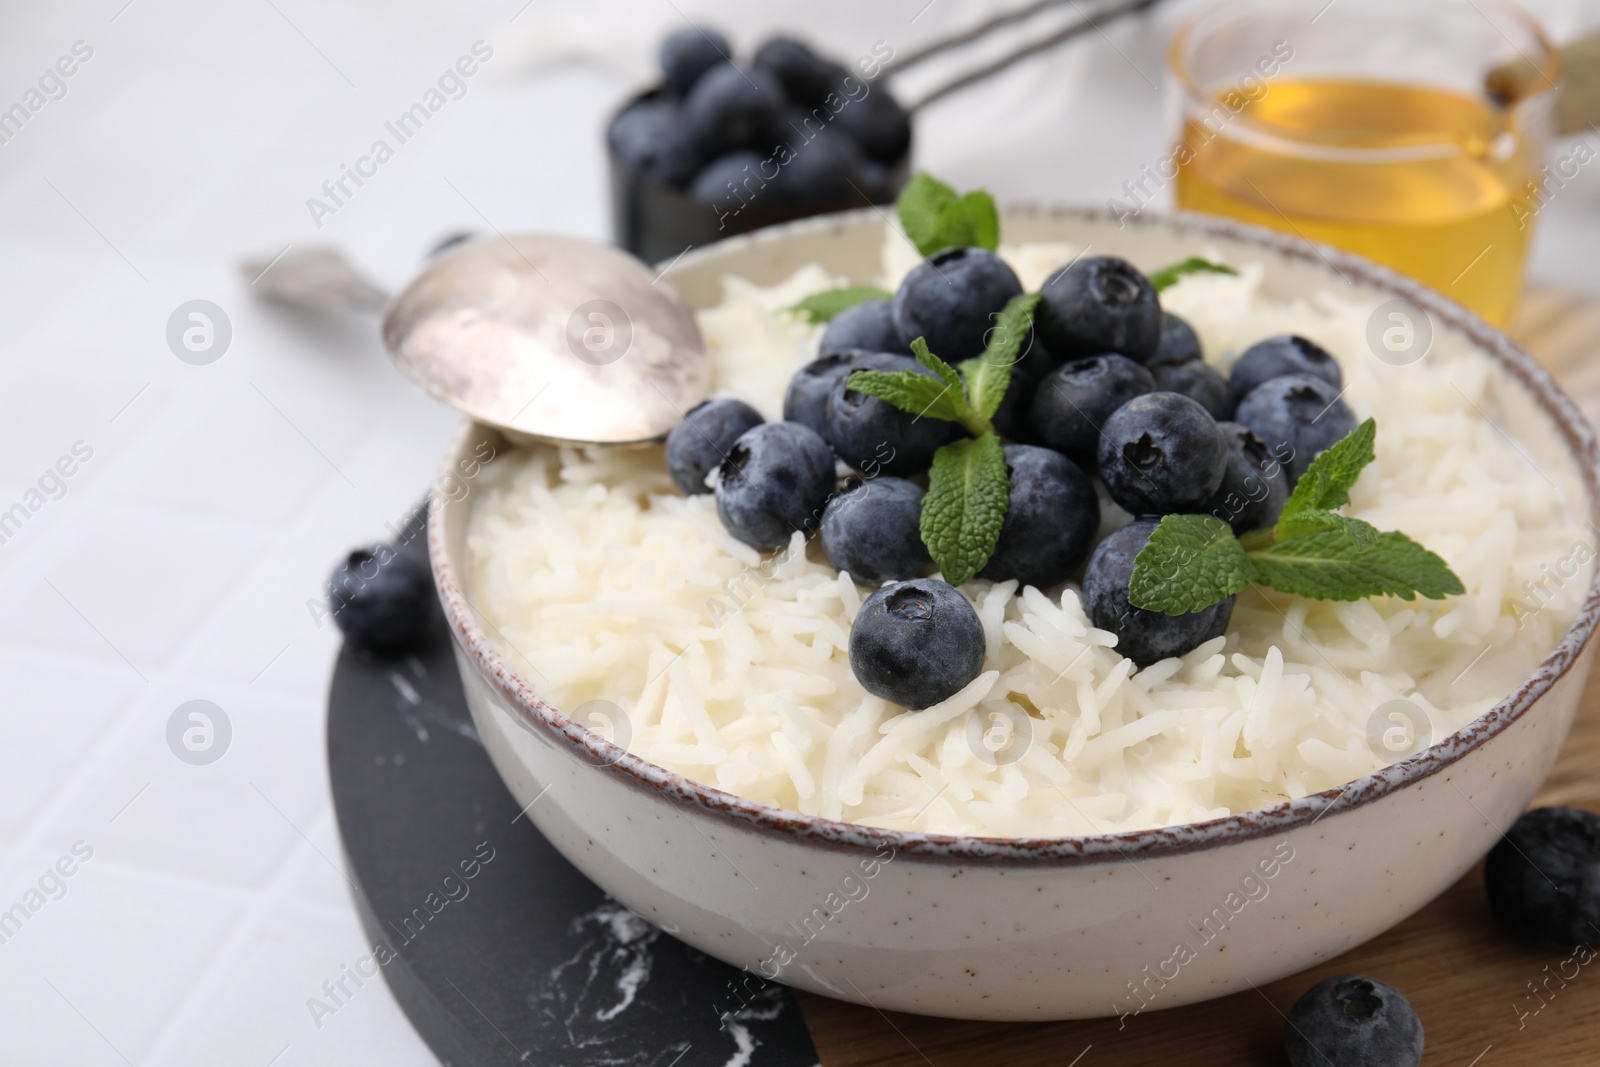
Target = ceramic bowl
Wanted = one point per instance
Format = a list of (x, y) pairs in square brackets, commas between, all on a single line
[(1040, 928)]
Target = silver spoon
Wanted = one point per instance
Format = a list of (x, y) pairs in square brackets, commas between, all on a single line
[(547, 337)]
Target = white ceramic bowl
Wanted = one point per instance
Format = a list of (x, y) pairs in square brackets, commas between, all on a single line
[(1036, 928)]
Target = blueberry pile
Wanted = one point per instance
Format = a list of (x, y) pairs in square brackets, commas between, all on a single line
[(788, 127), (1107, 387)]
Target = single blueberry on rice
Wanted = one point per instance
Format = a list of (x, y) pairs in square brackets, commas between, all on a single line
[(729, 108), (1099, 304), (699, 444), (807, 398), (1143, 636), (1073, 402), (689, 53), (874, 436), (1353, 1021), (868, 325), (1179, 343), (381, 599), (1254, 487), (1276, 356), (950, 298), (1050, 521), (916, 643), (776, 480), (650, 137), (1198, 381), (873, 531), (1543, 877), (1298, 416), (1161, 453)]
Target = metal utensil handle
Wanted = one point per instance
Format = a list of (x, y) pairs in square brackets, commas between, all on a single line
[(1060, 36)]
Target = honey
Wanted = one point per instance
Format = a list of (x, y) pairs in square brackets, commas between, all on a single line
[(1431, 182)]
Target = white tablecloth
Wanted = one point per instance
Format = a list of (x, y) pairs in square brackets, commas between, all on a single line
[(206, 503)]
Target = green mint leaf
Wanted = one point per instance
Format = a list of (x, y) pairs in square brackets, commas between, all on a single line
[(921, 207), (934, 217), (1168, 276), (1339, 565), (913, 392), (823, 306), (968, 492), (1191, 562), (975, 423), (989, 376), (1327, 481), (982, 220)]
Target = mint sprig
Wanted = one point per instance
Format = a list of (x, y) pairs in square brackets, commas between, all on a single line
[(968, 487), (936, 217), (1193, 561), (1167, 277), (822, 307)]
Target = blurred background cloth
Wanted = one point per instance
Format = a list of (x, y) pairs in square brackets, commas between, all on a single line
[(183, 560)]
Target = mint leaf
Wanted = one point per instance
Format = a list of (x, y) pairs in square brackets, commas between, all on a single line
[(968, 492), (1333, 565), (1327, 481), (913, 392), (1191, 562), (982, 220), (823, 306), (989, 375), (935, 218), (1168, 276)]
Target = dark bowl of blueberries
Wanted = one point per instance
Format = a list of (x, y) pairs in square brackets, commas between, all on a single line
[(725, 144)]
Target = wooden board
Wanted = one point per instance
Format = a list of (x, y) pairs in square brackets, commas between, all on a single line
[(1471, 984)]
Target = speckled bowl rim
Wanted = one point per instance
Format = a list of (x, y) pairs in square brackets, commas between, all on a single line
[(544, 720)]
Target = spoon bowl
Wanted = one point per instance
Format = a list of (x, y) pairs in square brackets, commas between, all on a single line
[(550, 338)]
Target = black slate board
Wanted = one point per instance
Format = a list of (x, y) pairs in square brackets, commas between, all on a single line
[(498, 950)]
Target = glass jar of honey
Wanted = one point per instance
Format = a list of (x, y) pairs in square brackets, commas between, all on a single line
[(1412, 132)]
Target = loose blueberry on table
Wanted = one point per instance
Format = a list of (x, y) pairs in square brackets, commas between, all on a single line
[(381, 599), (1353, 1021), (1543, 878)]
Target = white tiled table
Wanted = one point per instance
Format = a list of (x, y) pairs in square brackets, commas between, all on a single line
[(179, 563)]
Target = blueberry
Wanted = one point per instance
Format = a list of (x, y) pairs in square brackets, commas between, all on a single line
[(824, 170), (1053, 516), (807, 77), (1352, 1021), (1011, 417), (874, 436), (1160, 453), (689, 53), (1198, 381), (868, 325), (1277, 356), (1254, 488), (950, 299), (729, 108), (699, 444), (1074, 401), (916, 643), (1099, 304), (650, 137), (776, 480), (381, 598), (732, 180), (1544, 878), (1142, 636), (877, 122), (810, 391), (1297, 415), (873, 530), (1179, 343)]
